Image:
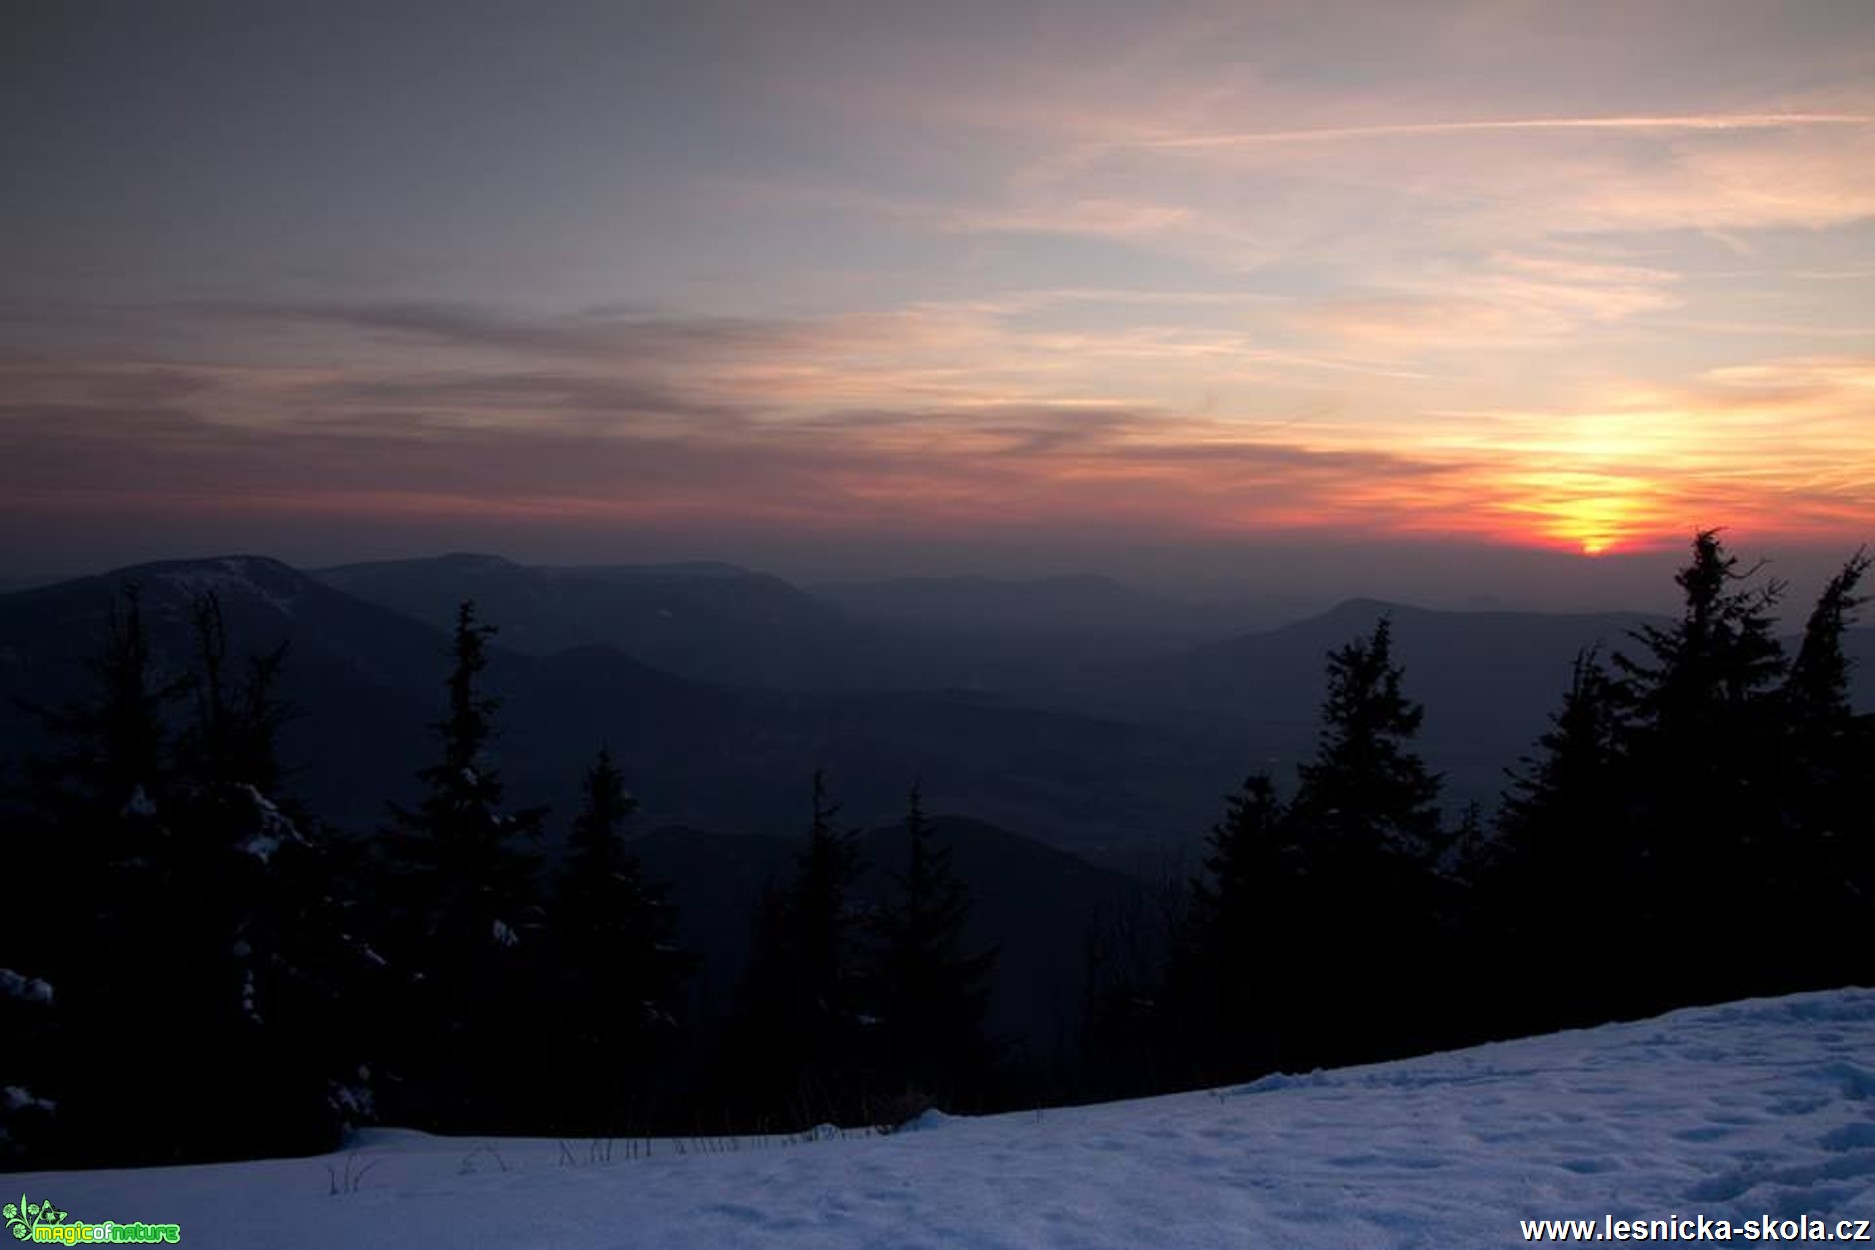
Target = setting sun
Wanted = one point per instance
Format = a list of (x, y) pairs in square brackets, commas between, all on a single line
[(1349, 517), (1016, 292)]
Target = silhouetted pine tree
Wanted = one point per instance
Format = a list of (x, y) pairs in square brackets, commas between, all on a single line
[(1553, 919), (1705, 737), (1367, 825), (265, 963), (797, 1050), (1829, 886), (931, 995), (94, 833), (1232, 996), (615, 973), (824, 930), (1366, 801), (212, 918), (1572, 783), (93, 800), (1817, 686), (462, 875)]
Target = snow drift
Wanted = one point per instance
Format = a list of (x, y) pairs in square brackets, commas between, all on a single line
[(1765, 1107)]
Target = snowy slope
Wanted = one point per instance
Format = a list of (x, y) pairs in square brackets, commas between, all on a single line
[(1738, 1111)]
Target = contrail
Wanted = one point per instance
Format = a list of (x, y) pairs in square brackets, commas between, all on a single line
[(1334, 134)]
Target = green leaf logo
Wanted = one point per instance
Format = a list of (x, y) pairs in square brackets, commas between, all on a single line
[(23, 1216)]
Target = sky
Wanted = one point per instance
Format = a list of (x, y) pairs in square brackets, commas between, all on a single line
[(1507, 295)]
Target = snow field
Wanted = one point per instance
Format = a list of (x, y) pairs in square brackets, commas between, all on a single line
[(1743, 1110)]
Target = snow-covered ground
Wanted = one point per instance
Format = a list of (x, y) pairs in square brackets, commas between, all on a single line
[(1755, 1108)]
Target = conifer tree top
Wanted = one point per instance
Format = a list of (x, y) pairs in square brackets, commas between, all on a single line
[(465, 731), (1366, 790)]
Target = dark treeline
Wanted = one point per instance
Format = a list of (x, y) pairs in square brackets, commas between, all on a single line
[(194, 967), (1695, 826)]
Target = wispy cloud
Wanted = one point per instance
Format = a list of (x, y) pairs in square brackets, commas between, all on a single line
[(1433, 129), (1510, 272), (912, 447)]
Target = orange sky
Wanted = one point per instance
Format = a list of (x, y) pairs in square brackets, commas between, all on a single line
[(1577, 277)]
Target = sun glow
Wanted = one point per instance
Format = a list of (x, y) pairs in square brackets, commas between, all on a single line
[(1594, 513), (1597, 525)]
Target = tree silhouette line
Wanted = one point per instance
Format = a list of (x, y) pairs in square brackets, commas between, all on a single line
[(196, 968)]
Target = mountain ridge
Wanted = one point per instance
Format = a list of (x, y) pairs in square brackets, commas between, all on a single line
[(1108, 757), (369, 681)]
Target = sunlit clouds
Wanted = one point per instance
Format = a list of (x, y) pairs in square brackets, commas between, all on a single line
[(1528, 276)]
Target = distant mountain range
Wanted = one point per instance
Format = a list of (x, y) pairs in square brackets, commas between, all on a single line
[(1086, 606), (368, 682), (720, 623), (722, 689), (713, 622)]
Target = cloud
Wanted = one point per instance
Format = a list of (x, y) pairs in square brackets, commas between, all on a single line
[(594, 446), (591, 332), (1506, 301), (964, 418), (1094, 218), (1434, 129)]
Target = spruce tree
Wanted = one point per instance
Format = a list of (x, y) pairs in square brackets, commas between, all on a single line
[(261, 920), (1829, 882), (823, 933), (1564, 839), (1366, 802), (213, 912), (1706, 742), (931, 994), (463, 876), (1570, 784), (1817, 687), (821, 900), (616, 973), (115, 755), (96, 822), (1703, 692), (1366, 823), (797, 1049), (1232, 995), (470, 866)]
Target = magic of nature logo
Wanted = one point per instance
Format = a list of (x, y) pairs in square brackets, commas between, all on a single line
[(44, 1223)]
